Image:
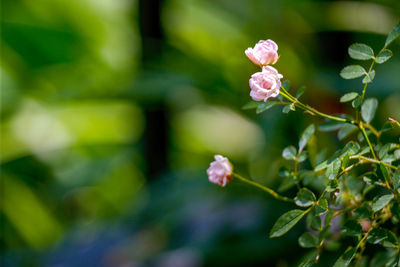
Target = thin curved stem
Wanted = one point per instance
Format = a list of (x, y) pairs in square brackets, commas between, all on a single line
[(362, 129), (266, 189), (311, 110)]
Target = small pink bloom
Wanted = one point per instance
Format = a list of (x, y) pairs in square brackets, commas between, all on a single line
[(263, 53), (265, 84), (366, 225), (220, 171)]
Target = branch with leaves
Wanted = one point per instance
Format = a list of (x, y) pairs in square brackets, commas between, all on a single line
[(361, 180)]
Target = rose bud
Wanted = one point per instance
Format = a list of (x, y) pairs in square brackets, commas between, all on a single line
[(366, 225), (263, 53), (265, 84), (220, 171)]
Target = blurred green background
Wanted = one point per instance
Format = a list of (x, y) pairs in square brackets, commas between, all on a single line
[(111, 111)]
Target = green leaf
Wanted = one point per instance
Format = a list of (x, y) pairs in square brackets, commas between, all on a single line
[(302, 157), (286, 109), (383, 56), (372, 179), (323, 203), (288, 183), (307, 240), (368, 109), (333, 169), (380, 202), (332, 185), (308, 259), (384, 172), (393, 35), (346, 159), (346, 258), (321, 166), (330, 126), (284, 172), (346, 130), (286, 222), (396, 179), (361, 52), (265, 106), (286, 85), (348, 97), (350, 148), (377, 235), (352, 72), (251, 105), (300, 92), (319, 210), (385, 149), (396, 211), (396, 154), (289, 153), (369, 77), (352, 228), (304, 198), (363, 212), (315, 222), (364, 151), (328, 218), (356, 102), (306, 136), (391, 241)]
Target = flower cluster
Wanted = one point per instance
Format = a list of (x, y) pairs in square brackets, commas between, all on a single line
[(264, 84)]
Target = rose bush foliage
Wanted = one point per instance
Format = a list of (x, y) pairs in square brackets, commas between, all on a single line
[(361, 180)]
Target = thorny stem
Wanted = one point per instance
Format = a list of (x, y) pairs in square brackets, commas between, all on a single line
[(266, 189)]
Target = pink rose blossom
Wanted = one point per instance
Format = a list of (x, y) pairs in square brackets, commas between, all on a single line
[(265, 84), (220, 171), (263, 53)]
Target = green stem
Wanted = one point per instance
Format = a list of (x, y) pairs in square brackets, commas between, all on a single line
[(366, 84), (313, 111), (337, 213), (373, 130), (374, 161), (361, 127), (266, 189)]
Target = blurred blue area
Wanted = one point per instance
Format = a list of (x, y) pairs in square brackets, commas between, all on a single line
[(111, 112)]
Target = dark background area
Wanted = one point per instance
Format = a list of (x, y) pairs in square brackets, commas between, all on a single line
[(111, 112)]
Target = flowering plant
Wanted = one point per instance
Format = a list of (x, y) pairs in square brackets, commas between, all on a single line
[(361, 181)]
